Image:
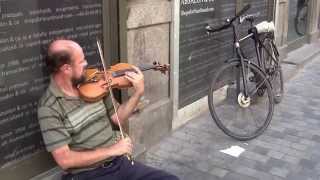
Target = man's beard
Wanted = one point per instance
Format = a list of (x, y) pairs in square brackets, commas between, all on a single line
[(77, 81)]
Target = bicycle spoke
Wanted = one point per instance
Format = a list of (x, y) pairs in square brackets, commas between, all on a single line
[(254, 119), (256, 89)]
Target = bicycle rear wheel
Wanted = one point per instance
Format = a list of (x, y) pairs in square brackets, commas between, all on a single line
[(238, 117), (273, 68)]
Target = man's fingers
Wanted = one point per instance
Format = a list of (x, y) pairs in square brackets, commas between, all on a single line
[(130, 79), (137, 69), (131, 74), (134, 75), (129, 146), (128, 140)]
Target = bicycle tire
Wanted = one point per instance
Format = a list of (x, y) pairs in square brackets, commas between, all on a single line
[(221, 120), (273, 69)]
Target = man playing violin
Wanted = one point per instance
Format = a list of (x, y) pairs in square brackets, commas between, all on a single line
[(78, 134)]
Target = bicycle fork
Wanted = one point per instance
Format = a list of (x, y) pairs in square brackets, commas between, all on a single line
[(243, 99)]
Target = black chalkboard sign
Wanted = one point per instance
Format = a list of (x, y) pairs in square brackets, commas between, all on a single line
[(200, 54), (26, 27)]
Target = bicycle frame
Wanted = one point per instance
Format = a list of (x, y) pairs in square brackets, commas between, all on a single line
[(239, 53), (257, 42), (269, 53)]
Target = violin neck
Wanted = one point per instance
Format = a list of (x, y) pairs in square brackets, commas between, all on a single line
[(142, 68), (146, 67)]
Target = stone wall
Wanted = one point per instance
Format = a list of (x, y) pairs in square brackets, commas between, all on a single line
[(313, 29), (148, 40)]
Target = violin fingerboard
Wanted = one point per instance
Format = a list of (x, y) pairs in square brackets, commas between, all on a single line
[(122, 72)]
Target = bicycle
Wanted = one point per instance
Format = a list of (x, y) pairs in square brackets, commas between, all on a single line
[(242, 87), (300, 20)]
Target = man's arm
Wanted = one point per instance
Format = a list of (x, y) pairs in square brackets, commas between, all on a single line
[(67, 158), (125, 110), (57, 138)]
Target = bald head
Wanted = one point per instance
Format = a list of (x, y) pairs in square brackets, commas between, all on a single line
[(62, 45), (61, 52)]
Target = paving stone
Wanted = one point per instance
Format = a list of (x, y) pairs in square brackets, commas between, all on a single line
[(311, 115), (305, 174), (219, 172), (260, 150), (237, 176), (291, 159), (307, 142), (316, 138), (264, 167), (249, 172), (292, 138), (309, 164), (295, 153), (279, 172), (261, 143), (255, 156), (290, 131), (300, 147), (192, 174), (276, 162), (242, 162), (275, 154)]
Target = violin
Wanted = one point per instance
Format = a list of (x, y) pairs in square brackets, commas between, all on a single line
[(93, 90)]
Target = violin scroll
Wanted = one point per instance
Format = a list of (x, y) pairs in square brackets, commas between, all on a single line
[(163, 68)]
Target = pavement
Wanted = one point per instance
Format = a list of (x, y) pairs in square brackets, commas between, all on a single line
[(287, 150)]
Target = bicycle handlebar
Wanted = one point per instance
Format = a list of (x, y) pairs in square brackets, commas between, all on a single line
[(229, 21), (242, 11)]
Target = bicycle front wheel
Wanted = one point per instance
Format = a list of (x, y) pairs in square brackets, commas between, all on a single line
[(240, 117), (273, 68)]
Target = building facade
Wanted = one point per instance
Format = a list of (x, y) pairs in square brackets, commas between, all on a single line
[(133, 31)]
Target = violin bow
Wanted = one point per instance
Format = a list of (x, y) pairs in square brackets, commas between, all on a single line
[(130, 158)]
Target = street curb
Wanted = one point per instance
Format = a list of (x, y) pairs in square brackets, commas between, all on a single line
[(296, 63)]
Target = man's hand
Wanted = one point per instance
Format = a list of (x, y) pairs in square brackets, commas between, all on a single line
[(103, 84), (123, 146), (137, 80), (126, 109), (67, 158)]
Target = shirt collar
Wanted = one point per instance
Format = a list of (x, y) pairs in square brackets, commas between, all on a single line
[(56, 91)]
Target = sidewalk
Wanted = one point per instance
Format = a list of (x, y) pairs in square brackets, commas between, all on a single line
[(288, 149), (297, 59)]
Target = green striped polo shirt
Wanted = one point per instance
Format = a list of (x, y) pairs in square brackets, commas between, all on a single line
[(66, 120)]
